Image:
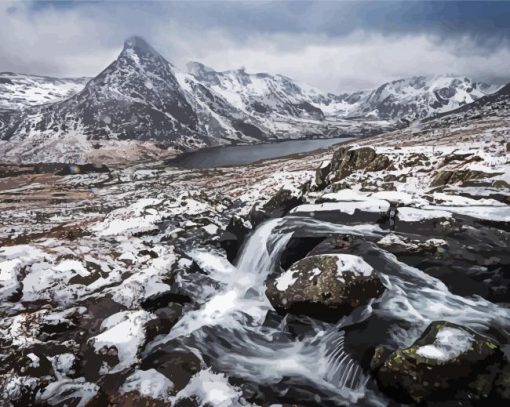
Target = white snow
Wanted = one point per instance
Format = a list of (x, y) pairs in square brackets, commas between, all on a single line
[(448, 344), (408, 214), (374, 205), (125, 331), (352, 264), (287, 279), (211, 389), (493, 213), (149, 383)]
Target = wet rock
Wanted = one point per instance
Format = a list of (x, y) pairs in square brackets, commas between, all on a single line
[(178, 365), (460, 176), (332, 245), (321, 173), (279, 205), (234, 236), (448, 362), (381, 353), (165, 319), (325, 287), (502, 385), (297, 248)]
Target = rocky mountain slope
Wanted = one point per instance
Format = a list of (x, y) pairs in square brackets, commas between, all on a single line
[(142, 107), (18, 91), (409, 99), (418, 97)]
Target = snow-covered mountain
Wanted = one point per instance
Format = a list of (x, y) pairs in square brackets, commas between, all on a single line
[(139, 97), (413, 98), (262, 94), (418, 97), (18, 91), (141, 106)]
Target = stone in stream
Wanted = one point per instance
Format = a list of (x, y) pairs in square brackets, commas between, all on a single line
[(325, 287), (448, 362), (234, 236)]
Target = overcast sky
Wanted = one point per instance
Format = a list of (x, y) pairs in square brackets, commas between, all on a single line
[(335, 46)]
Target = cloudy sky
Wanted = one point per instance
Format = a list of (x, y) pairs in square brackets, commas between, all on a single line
[(334, 45)]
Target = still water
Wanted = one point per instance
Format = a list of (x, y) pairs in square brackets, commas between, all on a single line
[(247, 154)]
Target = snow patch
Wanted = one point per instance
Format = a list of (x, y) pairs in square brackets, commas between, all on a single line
[(448, 345)]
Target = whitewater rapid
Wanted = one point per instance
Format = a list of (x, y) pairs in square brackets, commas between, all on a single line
[(233, 332)]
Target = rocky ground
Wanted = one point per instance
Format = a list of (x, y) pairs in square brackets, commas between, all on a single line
[(99, 269)]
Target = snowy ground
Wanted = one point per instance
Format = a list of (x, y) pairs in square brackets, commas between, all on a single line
[(83, 256)]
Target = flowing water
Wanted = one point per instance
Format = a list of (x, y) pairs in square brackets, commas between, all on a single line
[(236, 331)]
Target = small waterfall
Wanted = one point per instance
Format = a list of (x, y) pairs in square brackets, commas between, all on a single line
[(229, 331)]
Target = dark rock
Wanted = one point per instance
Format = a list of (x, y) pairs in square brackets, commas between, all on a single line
[(234, 236), (448, 362), (130, 399), (297, 248), (178, 365), (345, 161), (279, 205), (73, 169), (315, 286), (461, 176)]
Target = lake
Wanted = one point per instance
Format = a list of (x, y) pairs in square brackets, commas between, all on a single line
[(247, 154)]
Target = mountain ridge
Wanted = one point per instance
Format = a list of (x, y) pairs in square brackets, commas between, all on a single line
[(142, 101)]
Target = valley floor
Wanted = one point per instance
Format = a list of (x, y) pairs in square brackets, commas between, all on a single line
[(116, 288)]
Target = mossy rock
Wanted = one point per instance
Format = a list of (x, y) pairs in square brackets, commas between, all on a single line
[(325, 287), (444, 178), (346, 160), (448, 362)]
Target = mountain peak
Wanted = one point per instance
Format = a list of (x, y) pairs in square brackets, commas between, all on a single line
[(139, 45), (197, 68)]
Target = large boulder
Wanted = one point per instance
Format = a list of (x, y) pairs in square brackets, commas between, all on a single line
[(234, 236), (448, 362), (279, 205), (347, 160), (325, 287), (444, 178)]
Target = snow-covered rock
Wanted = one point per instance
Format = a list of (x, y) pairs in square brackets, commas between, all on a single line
[(326, 287), (447, 362)]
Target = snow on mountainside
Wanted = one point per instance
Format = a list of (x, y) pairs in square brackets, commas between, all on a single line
[(18, 91), (142, 107), (140, 97), (263, 94), (419, 97), (413, 98)]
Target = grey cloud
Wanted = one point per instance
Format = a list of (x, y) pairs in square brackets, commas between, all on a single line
[(76, 41)]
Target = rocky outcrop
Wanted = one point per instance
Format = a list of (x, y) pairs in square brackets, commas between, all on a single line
[(326, 287), (448, 362), (279, 205), (234, 235), (460, 176), (347, 160)]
